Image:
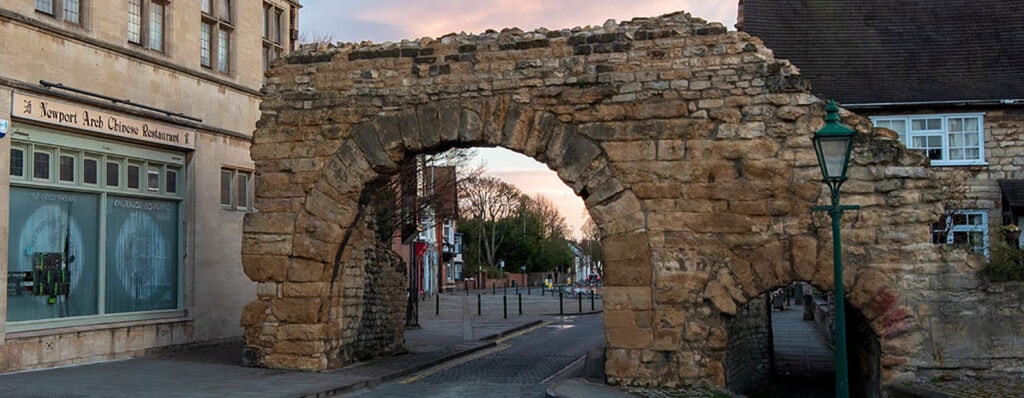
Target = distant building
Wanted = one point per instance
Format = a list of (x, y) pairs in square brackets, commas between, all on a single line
[(128, 125), (946, 77)]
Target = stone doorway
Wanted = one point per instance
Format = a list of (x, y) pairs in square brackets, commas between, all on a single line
[(689, 144)]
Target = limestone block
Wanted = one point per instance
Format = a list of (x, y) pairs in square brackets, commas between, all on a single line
[(296, 310), (667, 339), (300, 347), (269, 223), (619, 319), (630, 151), (260, 268), (679, 287), (669, 317), (254, 312), (627, 298), (629, 338), (305, 270), (720, 298), (296, 362), (305, 289), (308, 247)]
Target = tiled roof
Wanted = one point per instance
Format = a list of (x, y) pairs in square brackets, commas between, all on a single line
[(897, 51)]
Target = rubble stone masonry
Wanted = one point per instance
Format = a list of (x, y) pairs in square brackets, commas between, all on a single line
[(690, 146)]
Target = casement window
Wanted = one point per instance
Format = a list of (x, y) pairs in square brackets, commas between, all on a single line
[(947, 139), (111, 245), (216, 28), (236, 189), (963, 227), (273, 33), (65, 10), (146, 20)]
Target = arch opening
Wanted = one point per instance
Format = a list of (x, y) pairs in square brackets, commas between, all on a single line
[(782, 342)]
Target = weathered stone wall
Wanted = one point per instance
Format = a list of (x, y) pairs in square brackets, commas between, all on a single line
[(690, 146), (748, 358)]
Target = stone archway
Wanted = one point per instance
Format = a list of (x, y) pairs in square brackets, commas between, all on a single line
[(689, 145)]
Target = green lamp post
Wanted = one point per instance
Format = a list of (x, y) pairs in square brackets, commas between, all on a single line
[(833, 144)]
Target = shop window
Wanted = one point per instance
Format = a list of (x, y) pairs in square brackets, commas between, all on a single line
[(17, 162), (87, 249), (235, 189), (113, 174), (66, 10), (41, 165), (216, 28), (153, 180), (142, 252), (67, 168), (146, 23), (133, 177), (171, 180), (90, 171)]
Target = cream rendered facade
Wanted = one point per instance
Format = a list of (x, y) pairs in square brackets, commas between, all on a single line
[(191, 256)]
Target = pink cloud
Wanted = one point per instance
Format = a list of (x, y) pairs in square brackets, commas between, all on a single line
[(433, 19), (547, 183)]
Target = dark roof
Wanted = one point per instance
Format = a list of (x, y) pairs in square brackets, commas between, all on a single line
[(1013, 192), (888, 51)]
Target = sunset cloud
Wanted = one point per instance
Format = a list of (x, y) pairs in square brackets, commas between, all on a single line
[(394, 20)]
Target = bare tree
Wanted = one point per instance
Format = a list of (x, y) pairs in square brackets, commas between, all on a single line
[(591, 244), (489, 200), (553, 222)]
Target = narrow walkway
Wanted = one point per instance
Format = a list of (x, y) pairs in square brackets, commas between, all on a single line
[(804, 365), (800, 349)]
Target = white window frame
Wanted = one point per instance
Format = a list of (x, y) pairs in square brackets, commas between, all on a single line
[(232, 189), (943, 131), (952, 229), (152, 28)]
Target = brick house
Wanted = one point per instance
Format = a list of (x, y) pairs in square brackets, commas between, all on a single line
[(945, 76)]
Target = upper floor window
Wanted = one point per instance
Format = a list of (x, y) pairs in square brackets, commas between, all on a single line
[(273, 43), (67, 10), (146, 23), (950, 140), (215, 35)]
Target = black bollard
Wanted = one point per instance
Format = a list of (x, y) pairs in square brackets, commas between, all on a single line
[(504, 289), (579, 297), (591, 301), (437, 304), (478, 312), (504, 306), (494, 288), (527, 289), (560, 311), (520, 304)]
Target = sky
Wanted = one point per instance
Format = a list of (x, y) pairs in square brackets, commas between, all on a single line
[(394, 20)]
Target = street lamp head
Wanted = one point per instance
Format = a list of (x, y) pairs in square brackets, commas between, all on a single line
[(833, 144)]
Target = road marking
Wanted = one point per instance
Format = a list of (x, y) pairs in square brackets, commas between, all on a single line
[(522, 332), (448, 365), (499, 346)]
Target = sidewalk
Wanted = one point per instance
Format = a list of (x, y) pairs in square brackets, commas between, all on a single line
[(214, 371)]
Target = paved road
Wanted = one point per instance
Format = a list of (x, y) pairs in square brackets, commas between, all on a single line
[(516, 367)]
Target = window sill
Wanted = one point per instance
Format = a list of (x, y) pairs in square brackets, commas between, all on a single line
[(30, 329)]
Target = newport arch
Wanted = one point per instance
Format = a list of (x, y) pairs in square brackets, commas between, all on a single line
[(688, 143)]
